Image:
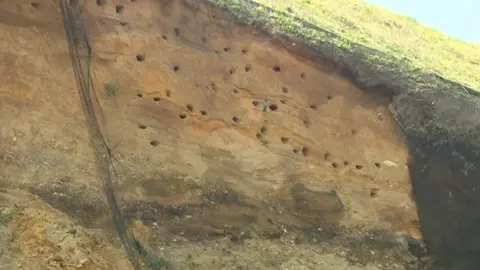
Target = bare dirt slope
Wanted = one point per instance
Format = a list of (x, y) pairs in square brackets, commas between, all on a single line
[(231, 152)]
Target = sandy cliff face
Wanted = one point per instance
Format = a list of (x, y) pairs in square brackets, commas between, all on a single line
[(230, 150)]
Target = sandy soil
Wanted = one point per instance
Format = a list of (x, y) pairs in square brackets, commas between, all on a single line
[(231, 152)]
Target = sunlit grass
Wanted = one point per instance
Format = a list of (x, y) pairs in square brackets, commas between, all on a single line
[(356, 22)]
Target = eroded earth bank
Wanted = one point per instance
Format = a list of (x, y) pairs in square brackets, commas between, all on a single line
[(231, 152)]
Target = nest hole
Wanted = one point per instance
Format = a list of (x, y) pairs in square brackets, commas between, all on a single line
[(123, 23), (248, 68), (168, 93), (119, 8), (176, 31), (142, 126), (255, 103), (374, 192), (226, 49), (156, 98), (346, 163), (139, 95), (176, 68), (182, 115), (140, 57), (100, 2), (313, 106), (284, 139), (306, 151), (236, 119), (273, 107), (190, 107), (263, 129), (277, 68), (334, 165), (244, 51), (154, 143), (303, 75), (203, 112), (285, 89), (377, 165), (358, 167)]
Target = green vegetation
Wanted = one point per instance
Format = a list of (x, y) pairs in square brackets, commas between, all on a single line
[(5, 218), (353, 22), (153, 263), (158, 264), (111, 89)]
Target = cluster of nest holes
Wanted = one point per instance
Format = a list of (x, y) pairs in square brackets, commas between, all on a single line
[(155, 98), (263, 132), (190, 109), (304, 150), (327, 157), (271, 106), (152, 142)]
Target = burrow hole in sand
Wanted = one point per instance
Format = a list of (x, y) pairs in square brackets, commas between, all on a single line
[(119, 9)]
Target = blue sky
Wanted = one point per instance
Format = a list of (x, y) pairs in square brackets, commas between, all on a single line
[(457, 18)]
